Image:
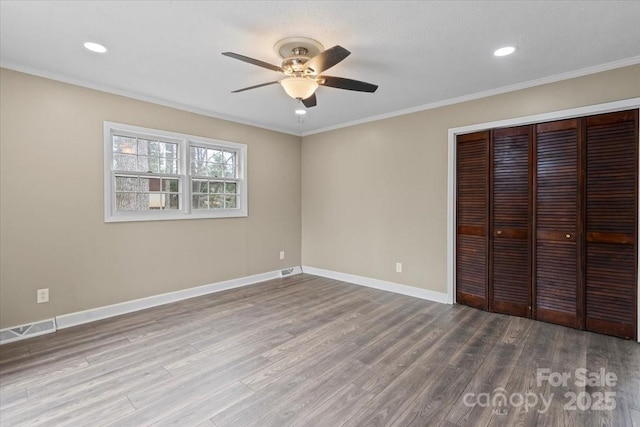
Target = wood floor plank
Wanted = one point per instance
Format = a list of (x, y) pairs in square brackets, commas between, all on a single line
[(390, 403), (48, 410), (300, 403), (635, 418), (95, 414), (96, 374), (308, 351), (341, 406), (250, 410), (228, 351), (195, 401), (386, 371), (492, 375), (13, 351), (473, 352), (537, 353), (213, 378), (569, 350), (12, 396), (37, 371), (96, 389), (430, 407)]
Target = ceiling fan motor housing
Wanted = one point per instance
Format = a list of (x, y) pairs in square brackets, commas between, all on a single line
[(294, 65), (296, 51)]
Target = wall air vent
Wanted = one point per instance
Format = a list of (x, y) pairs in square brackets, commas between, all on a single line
[(286, 272), (27, 331)]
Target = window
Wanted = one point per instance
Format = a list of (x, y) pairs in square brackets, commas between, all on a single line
[(158, 175)]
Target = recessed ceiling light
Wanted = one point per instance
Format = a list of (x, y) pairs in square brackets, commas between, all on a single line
[(504, 51), (95, 47), (301, 112)]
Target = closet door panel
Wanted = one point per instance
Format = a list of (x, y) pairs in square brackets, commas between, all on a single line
[(557, 291), (510, 294), (510, 287), (472, 170), (611, 221), (556, 282), (610, 293)]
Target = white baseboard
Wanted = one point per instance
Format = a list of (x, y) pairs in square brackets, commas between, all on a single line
[(379, 284), (80, 317), (16, 333)]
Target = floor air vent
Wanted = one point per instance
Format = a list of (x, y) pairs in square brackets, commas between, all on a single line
[(27, 331), (286, 272)]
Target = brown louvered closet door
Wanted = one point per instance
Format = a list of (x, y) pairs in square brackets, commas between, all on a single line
[(547, 222), (472, 171), (611, 235), (557, 273), (510, 288)]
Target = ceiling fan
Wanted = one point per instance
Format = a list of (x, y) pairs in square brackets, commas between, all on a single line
[(304, 61)]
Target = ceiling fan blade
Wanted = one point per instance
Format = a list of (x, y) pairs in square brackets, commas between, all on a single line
[(348, 84), (326, 59), (310, 101), (253, 61), (256, 86)]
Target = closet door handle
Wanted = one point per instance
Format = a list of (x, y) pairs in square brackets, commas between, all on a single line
[(499, 232), (568, 236)]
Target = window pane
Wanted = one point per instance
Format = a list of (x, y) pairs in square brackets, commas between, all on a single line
[(196, 168), (170, 185), (125, 183), (162, 165), (199, 186), (216, 187), (153, 165), (126, 201), (167, 166), (215, 171), (124, 144), (230, 187), (143, 202), (230, 202), (143, 147), (156, 201), (172, 167), (124, 162), (143, 164), (229, 171), (229, 158), (216, 201), (198, 153), (214, 156), (200, 202), (172, 201), (149, 184), (154, 150), (168, 149)]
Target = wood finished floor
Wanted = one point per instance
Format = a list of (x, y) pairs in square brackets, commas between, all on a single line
[(307, 351)]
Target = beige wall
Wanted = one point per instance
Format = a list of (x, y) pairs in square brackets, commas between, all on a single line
[(372, 195), (51, 211), (376, 194)]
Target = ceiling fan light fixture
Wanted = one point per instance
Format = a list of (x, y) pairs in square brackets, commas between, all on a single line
[(299, 87)]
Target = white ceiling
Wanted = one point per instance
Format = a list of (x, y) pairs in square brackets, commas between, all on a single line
[(419, 53)]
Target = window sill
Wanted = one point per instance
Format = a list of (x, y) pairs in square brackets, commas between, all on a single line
[(175, 216)]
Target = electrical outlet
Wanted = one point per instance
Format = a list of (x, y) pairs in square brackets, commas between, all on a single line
[(281, 254), (42, 296), (398, 267)]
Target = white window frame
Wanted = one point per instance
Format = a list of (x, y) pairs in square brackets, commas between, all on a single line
[(184, 142)]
